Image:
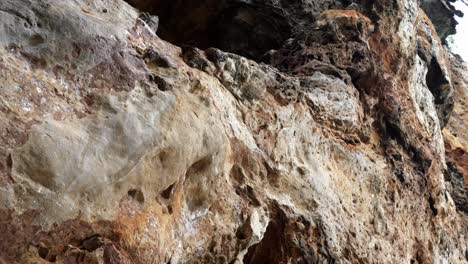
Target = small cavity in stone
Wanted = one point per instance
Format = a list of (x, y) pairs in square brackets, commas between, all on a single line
[(166, 194), (137, 195)]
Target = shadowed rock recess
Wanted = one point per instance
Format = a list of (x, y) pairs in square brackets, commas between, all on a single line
[(231, 131)]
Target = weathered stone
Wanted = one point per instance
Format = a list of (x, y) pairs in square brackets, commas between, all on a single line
[(455, 135), (443, 14), (119, 147)]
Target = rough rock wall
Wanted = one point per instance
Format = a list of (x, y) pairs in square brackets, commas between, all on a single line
[(119, 147), (456, 136), (442, 13)]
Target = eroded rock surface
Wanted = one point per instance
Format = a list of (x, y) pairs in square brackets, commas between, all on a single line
[(456, 136), (120, 147), (443, 15)]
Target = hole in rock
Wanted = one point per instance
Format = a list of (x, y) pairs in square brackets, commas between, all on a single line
[(432, 206), (276, 245), (436, 81), (248, 193), (43, 252), (92, 243), (137, 195), (164, 157), (166, 194), (9, 162), (199, 166), (244, 231), (247, 29), (270, 248)]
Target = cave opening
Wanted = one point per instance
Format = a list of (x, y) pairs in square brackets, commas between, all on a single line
[(246, 29)]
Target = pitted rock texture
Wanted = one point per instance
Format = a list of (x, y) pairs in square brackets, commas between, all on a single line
[(120, 147), (456, 136), (248, 28)]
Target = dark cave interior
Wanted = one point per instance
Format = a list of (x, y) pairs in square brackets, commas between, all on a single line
[(246, 29)]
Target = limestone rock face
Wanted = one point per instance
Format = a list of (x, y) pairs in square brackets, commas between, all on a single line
[(443, 14), (329, 147), (456, 136)]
